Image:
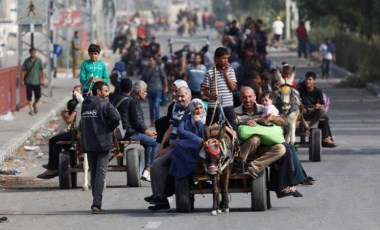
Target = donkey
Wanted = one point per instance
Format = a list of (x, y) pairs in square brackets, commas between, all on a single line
[(291, 105), (220, 148)]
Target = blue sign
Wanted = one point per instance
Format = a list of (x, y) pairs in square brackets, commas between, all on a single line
[(57, 50)]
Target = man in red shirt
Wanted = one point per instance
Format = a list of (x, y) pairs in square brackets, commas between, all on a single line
[(301, 34)]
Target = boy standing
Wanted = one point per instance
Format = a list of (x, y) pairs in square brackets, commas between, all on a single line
[(92, 70), (218, 85)]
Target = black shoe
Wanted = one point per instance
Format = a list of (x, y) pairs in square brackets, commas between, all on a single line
[(96, 209), (149, 198), (159, 201), (308, 181), (159, 207), (3, 219), (283, 194)]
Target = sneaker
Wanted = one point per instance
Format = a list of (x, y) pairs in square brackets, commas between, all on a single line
[(146, 175), (95, 209)]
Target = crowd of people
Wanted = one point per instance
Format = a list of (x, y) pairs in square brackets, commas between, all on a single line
[(235, 85)]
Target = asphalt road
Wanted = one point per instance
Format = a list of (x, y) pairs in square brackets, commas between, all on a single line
[(343, 197)]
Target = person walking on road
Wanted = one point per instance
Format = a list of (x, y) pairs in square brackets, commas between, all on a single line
[(327, 50), (99, 120), (154, 76), (33, 77), (194, 76), (301, 34), (92, 70), (75, 50), (277, 28)]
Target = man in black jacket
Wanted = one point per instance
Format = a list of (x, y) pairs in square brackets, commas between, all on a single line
[(132, 118), (99, 120)]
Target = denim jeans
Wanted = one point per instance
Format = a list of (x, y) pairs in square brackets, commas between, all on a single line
[(326, 68), (154, 105), (150, 146)]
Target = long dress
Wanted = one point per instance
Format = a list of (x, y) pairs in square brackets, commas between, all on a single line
[(185, 154)]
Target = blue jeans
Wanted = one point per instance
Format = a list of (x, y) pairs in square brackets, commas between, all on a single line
[(154, 105), (150, 146), (326, 68)]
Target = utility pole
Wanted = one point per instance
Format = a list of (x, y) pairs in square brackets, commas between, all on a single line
[(287, 22)]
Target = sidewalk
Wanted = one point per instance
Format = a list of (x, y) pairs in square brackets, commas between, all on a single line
[(14, 133)]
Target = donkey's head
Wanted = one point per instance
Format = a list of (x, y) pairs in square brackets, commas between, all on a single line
[(215, 136)]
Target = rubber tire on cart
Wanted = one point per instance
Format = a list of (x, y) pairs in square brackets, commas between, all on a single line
[(259, 193), (135, 164), (183, 199), (269, 203), (67, 179), (315, 145), (73, 162)]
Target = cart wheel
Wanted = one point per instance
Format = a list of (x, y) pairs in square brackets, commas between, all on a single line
[(259, 193), (184, 201), (65, 181), (315, 145), (269, 203), (73, 164), (133, 168)]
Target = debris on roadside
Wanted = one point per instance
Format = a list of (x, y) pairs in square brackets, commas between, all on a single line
[(10, 172)]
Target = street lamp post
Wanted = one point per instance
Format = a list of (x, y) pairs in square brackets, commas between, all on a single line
[(287, 26)]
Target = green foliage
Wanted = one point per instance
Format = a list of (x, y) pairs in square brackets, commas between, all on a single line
[(353, 82), (352, 15), (266, 10)]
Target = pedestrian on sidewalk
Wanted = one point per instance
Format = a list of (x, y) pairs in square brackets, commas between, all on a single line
[(33, 77), (99, 120), (92, 70)]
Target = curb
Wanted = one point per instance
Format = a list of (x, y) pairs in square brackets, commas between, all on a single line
[(7, 150), (374, 88)]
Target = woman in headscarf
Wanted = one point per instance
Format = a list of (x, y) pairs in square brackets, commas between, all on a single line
[(190, 132)]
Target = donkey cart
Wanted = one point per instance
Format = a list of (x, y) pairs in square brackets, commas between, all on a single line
[(71, 161), (186, 188), (313, 142)]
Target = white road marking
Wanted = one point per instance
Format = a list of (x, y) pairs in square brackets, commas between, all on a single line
[(152, 225)]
